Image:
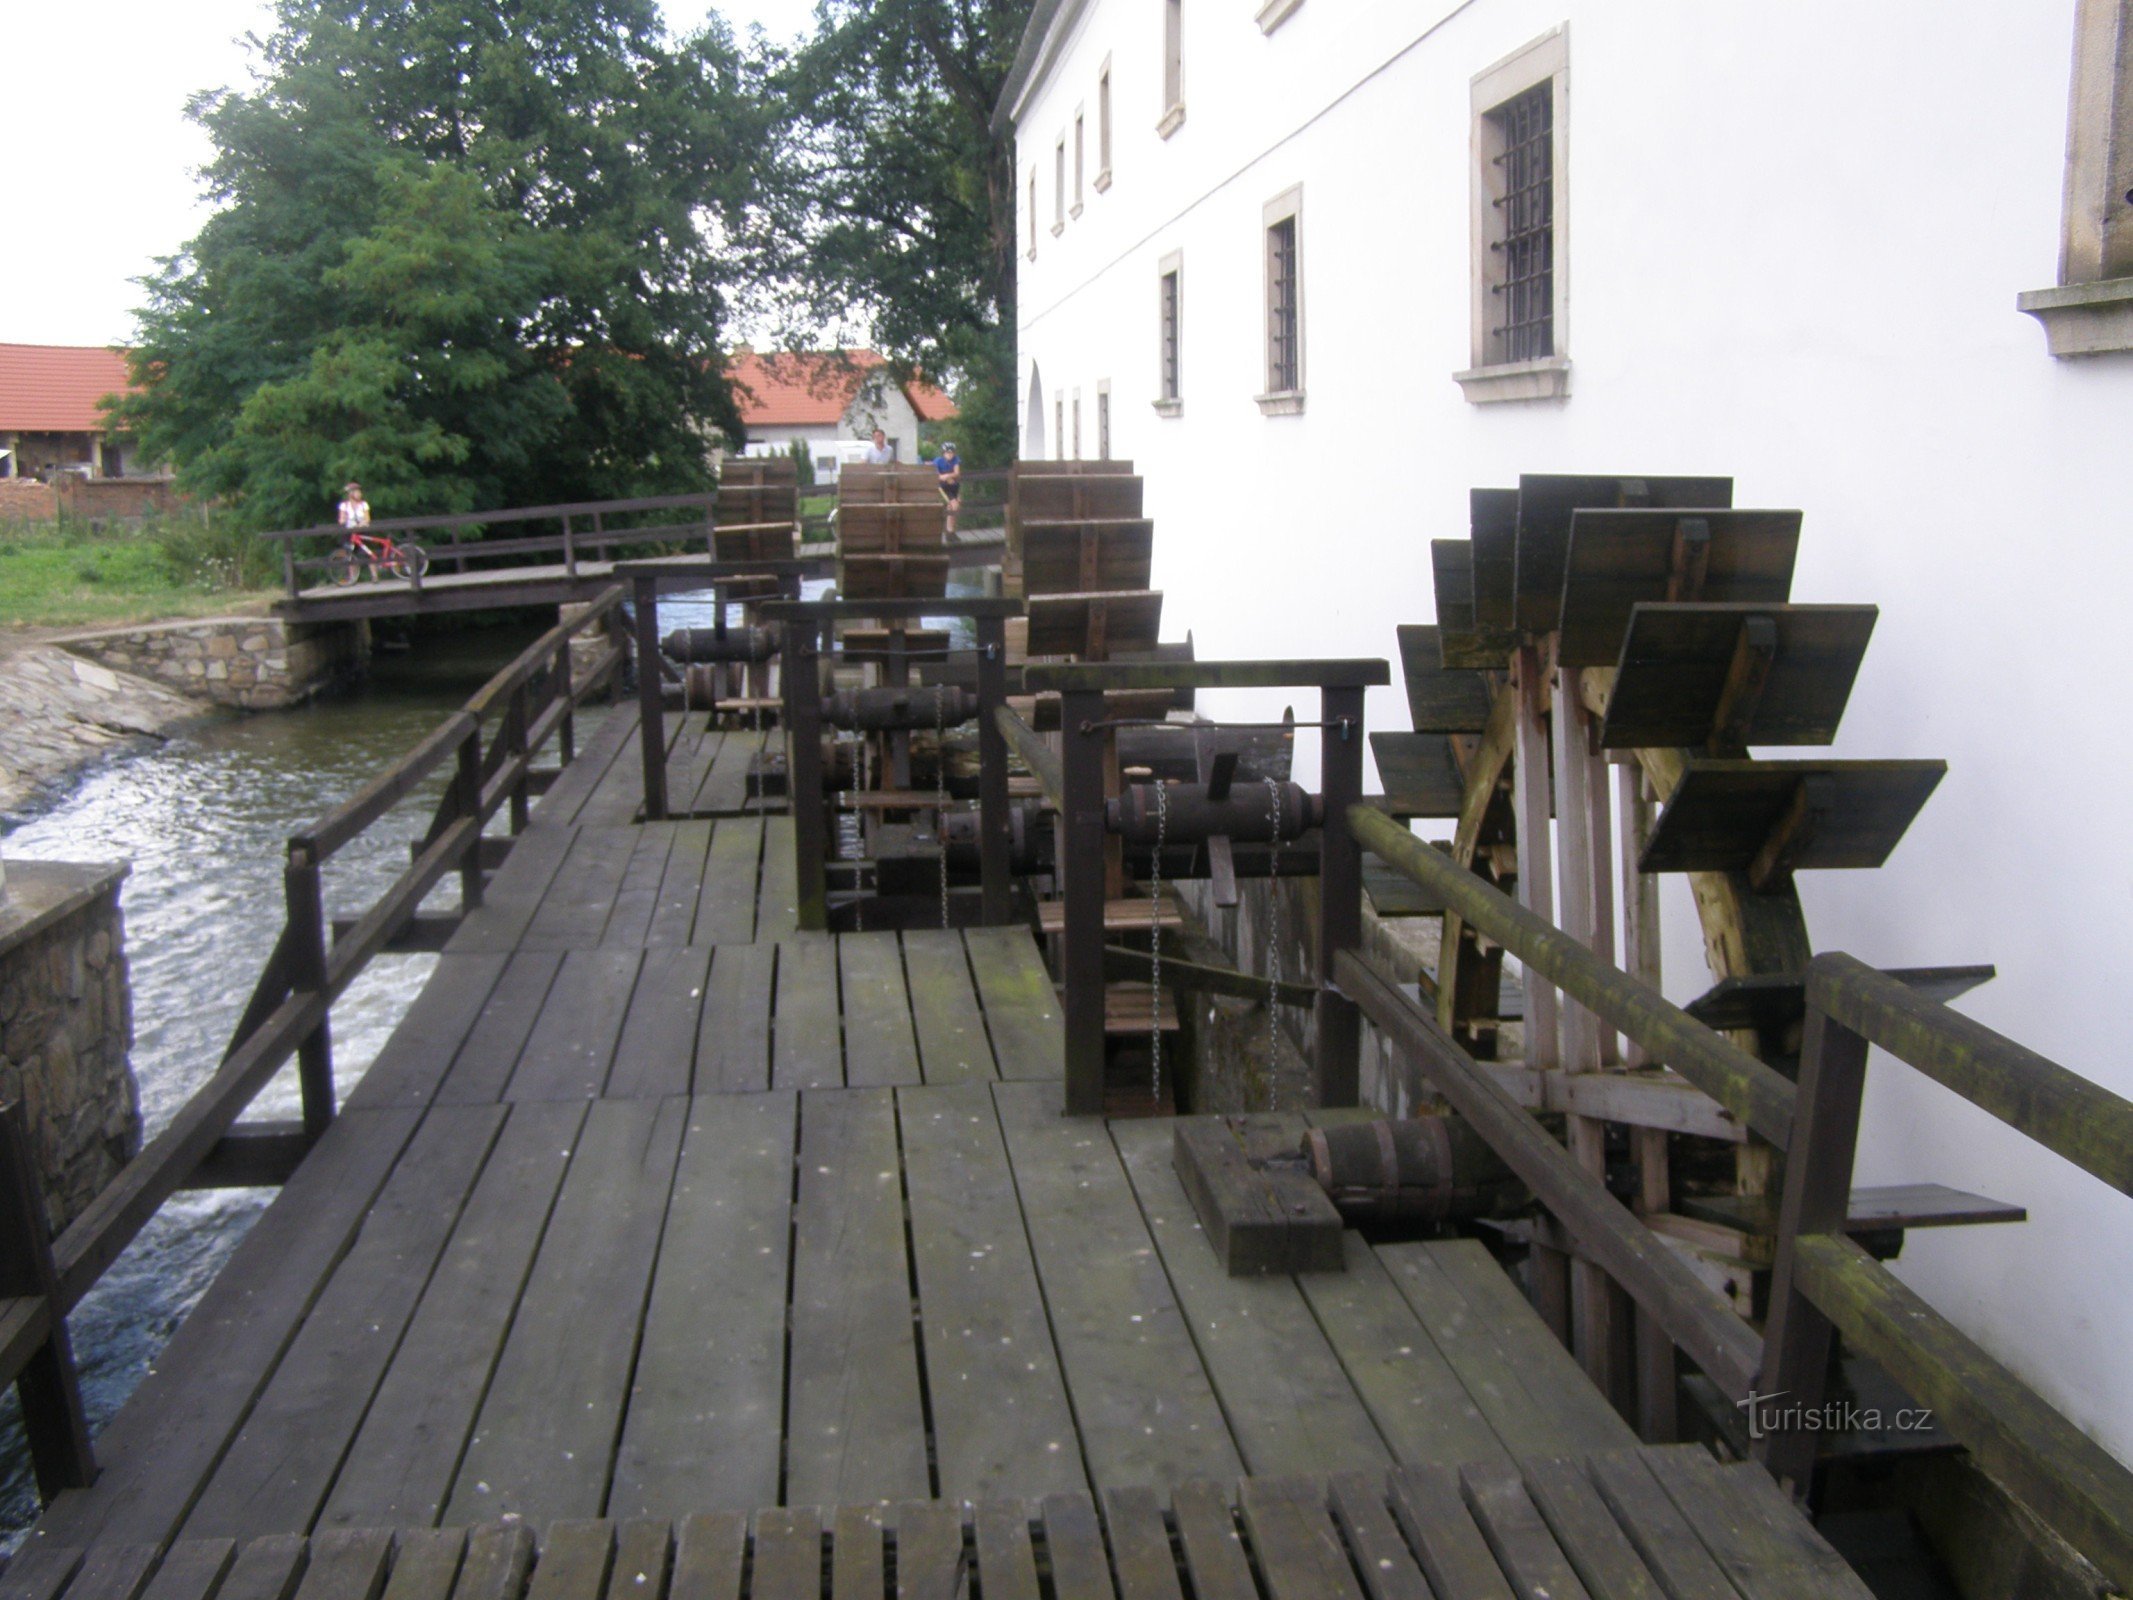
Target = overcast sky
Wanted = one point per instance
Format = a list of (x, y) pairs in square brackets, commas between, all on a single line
[(103, 158)]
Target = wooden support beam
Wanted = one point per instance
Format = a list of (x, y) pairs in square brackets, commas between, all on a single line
[(1083, 836), (1658, 1418), (1754, 652), (1122, 961), (1692, 559), (47, 1383), (252, 1156), (1530, 800), (1813, 800)]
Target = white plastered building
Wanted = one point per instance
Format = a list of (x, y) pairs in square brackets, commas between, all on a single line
[(1786, 243)]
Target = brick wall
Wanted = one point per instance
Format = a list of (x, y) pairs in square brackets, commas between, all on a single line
[(27, 498)]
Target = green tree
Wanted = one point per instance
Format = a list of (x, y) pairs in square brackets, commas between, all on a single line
[(461, 252), (893, 196)]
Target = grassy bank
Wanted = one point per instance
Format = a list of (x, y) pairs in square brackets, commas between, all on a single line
[(65, 574)]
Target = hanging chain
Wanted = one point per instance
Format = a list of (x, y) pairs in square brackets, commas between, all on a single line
[(940, 789), (1273, 935), (1155, 945)]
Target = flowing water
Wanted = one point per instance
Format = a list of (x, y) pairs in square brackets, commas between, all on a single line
[(204, 819)]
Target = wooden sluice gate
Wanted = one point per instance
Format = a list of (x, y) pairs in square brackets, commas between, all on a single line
[(740, 1211)]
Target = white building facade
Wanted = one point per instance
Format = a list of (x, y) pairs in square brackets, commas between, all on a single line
[(1784, 243)]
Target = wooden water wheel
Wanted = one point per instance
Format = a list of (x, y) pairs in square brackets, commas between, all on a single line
[(1648, 626)]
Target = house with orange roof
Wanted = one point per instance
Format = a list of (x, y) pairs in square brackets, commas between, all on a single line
[(51, 412), (832, 400)]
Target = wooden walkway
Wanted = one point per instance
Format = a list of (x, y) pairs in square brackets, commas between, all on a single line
[(656, 1215)]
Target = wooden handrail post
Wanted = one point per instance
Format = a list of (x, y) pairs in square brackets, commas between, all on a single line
[(651, 702), (1083, 833), (560, 676), (467, 784), (48, 1384), (305, 894), (1818, 1184), (1336, 1062), (515, 748), (288, 566), (995, 851), (570, 549), (802, 682)]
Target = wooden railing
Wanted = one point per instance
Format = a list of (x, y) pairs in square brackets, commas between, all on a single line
[(490, 745), (1823, 1283), (588, 531)]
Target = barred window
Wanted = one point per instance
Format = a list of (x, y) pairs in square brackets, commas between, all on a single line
[(1170, 385), (1522, 251), (1284, 368), (1103, 420)]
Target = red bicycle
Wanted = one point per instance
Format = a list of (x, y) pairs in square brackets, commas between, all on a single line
[(379, 552)]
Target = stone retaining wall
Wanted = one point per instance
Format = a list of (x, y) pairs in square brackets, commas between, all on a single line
[(66, 1025), (59, 711), (256, 663)]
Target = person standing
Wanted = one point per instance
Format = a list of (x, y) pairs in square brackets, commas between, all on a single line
[(354, 513), (949, 466), (881, 452)]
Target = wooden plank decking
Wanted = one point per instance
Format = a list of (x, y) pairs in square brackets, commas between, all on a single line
[(656, 1215)]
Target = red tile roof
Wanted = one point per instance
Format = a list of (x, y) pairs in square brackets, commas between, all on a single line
[(54, 388), (814, 388)]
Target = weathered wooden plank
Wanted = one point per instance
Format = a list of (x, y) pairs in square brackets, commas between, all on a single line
[(114, 1572), (644, 1548), (573, 1044), (807, 1050), (40, 1570), (511, 898), (194, 1568), (1421, 1409), (1662, 1537), (733, 1039), (1259, 1220), (542, 1443), (1144, 1403), (879, 1047), (618, 799), (399, 1469), (576, 1556), (1388, 1567), (1140, 1545), (1600, 1553), (710, 1548), (1006, 1562), (1725, 812), (725, 907), (1762, 1542), (859, 1568), (425, 1563), (673, 919), (1021, 1011), (705, 1403), (411, 1066), (266, 1569), (1453, 1554), (1468, 1336), (952, 1046), (1292, 1407), (574, 912), (778, 893), (1001, 1419), (725, 787), (347, 1564), (656, 1053), (277, 1470), (493, 1045), (497, 1560), (163, 1443), (1619, 558), (1075, 1544), (1524, 1548), (566, 797), (931, 1563), (1299, 1551), (855, 1430), (1213, 1550), (637, 900)]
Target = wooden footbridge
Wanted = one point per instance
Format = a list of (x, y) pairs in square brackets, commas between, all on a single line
[(724, 1220)]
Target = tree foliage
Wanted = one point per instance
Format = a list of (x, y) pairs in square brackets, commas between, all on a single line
[(461, 253), (893, 199)]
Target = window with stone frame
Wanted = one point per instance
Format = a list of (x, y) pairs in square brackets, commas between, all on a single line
[(2090, 310)]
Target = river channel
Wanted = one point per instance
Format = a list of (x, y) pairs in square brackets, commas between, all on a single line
[(203, 818)]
